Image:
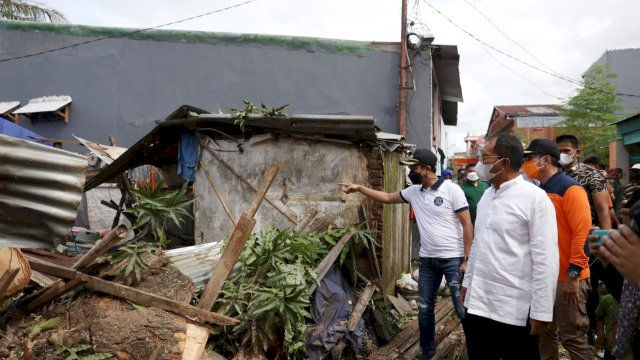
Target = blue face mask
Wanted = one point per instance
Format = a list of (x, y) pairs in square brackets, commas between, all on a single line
[(484, 170)]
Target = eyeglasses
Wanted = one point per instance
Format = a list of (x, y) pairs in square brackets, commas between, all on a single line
[(483, 157)]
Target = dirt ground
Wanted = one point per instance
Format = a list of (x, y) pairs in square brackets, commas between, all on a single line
[(107, 324)]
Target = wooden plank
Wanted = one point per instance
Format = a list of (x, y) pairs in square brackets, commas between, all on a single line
[(102, 246), (361, 306), (6, 279), (265, 184), (235, 172), (227, 260), (147, 299), (235, 244), (331, 257), (410, 332), (402, 307), (40, 279), (218, 194), (49, 268), (133, 295), (196, 341)]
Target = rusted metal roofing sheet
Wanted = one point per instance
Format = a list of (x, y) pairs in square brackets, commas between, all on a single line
[(40, 189), (44, 104)]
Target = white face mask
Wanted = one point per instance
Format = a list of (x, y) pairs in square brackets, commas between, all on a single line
[(484, 170), (566, 159)]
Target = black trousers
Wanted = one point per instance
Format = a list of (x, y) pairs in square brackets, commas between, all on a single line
[(492, 340)]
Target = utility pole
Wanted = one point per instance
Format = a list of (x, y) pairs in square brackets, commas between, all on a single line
[(402, 97)]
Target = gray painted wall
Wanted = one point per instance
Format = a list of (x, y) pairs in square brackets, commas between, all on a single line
[(624, 63), (121, 86)]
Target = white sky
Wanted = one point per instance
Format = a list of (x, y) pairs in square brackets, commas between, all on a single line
[(565, 35)]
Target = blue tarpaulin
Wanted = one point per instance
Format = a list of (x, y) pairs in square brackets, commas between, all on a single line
[(10, 129)]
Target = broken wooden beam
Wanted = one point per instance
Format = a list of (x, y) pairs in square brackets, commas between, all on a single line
[(102, 246), (235, 244), (131, 294), (361, 306), (195, 342), (331, 257)]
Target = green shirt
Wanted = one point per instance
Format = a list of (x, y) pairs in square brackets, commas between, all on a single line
[(473, 195), (608, 309)]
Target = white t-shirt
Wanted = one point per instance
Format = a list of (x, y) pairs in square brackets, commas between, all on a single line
[(435, 209)]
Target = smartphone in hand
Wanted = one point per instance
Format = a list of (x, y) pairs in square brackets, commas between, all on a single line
[(600, 233)]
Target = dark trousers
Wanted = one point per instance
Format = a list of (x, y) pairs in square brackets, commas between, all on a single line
[(492, 340)]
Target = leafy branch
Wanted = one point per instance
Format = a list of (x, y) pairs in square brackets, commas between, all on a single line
[(240, 116)]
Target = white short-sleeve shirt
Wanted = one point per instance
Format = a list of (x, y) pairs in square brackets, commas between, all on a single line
[(436, 211)]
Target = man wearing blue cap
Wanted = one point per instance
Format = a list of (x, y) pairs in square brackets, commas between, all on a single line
[(446, 233)]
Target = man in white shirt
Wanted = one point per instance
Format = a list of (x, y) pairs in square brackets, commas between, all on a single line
[(510, 284), (444, 223)]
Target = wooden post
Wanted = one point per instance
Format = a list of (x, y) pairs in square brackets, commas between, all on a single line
[(218, 194), (360, 307), (116, 234), (235, 245), (331, 257)]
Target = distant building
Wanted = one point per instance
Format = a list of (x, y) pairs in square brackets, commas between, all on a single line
[(624, 63), (528, 122)]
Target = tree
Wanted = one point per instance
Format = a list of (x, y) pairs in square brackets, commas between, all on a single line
[(28, 11), (592, 110)]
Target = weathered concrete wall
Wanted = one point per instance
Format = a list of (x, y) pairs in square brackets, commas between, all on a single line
[(306, 181)]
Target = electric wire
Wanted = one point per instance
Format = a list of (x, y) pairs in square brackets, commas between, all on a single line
[(129, 33), (514, 41), (522, 61)]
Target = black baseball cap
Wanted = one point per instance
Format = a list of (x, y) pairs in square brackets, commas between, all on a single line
[(543, 147), (421, 157)]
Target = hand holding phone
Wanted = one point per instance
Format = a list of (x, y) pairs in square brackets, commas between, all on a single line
[(600, 233)]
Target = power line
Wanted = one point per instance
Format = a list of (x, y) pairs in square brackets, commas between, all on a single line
[(128, 33), (520, 75), (514, 41), (524, 62)]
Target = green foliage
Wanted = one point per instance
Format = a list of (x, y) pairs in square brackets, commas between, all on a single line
[(269, 293), (241, 115), (44, 325), (73, 353), (154, 207), (29, 11), (592, 110), (133, 253)]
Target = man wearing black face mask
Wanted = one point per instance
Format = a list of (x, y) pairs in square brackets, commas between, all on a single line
[(446, 233), (570, 324)]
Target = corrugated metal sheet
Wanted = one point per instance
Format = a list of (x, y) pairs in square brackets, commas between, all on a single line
[(196, 261), (8, 105), (538, 121), (40, 189), (44, 104)]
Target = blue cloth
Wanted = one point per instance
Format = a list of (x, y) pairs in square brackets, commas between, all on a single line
[(429, 279), (187, 155), (10, 129), (446, 172)]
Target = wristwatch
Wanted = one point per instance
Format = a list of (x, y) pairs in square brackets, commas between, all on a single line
[(574, 271), (466, 258)]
